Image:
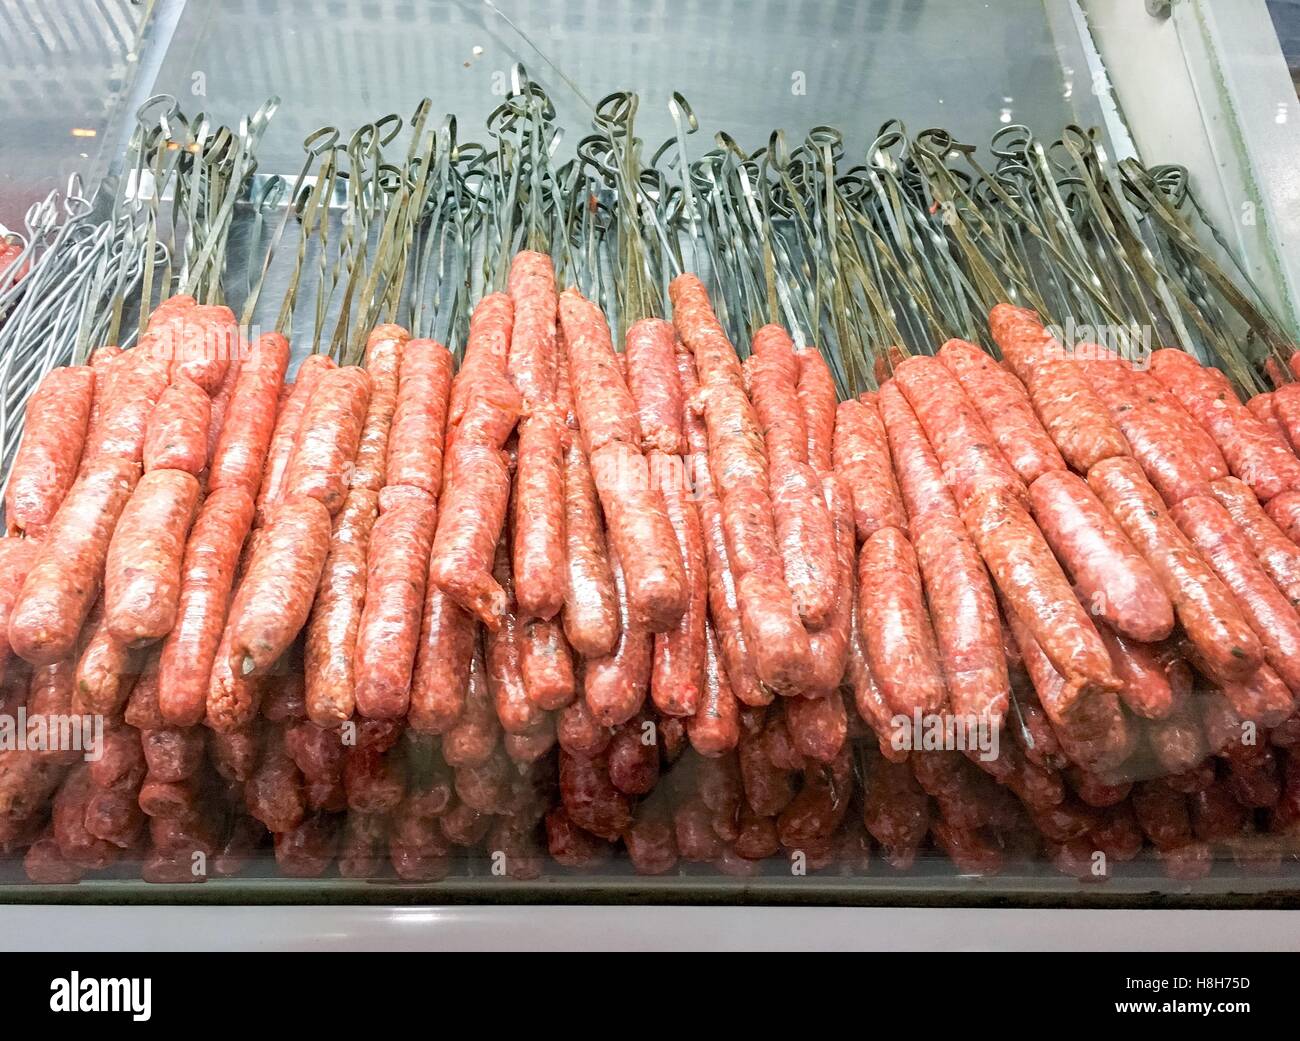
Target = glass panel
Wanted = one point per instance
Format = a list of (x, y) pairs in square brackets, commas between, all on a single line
[(1169, 796)]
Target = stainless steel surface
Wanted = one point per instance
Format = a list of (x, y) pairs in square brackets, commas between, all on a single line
[(638, 929), (746, 65), (63, 67)]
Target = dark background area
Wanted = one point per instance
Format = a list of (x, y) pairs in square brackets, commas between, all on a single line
[(1286, 19)]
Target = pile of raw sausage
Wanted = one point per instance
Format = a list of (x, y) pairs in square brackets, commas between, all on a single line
[(572, 600)]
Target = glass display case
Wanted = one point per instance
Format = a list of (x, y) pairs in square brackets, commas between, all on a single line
[(793, 616)]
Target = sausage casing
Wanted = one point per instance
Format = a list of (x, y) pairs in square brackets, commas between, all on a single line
[(329, 651), (249, 419), (288, 424), (54, 435), (66, 577), (330, 435), (280, 584), (397, 567), (415, 441), (1004, 405), (176, 437), (1116, 582), (385, 348), (897, 634), (142, 574), (207, 577), (1202, 603), (1026, 572)]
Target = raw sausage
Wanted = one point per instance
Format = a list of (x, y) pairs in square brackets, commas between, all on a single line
[(715, 728), (818, 726), (176, 437), (1253, 452), (472, 738), (470, 521), (329, 437), (279, 586), (483, 411), (531, 362), (207, 576), (1279, 556), (335, 620), (415, 441), (1116, 583), (700, 330), (107, 362), (483, 368), (397, 567), (539, 539), (1074, 417), (1031, 580), (817, 399), (202, 344), (590, 601), (1088, 722), (546, 661), (965, 616), (1004, 405), (448, 640), (642, 536), (106, 668), (1284, 509), (384, 351), (249, 418), (1175, 453), (1202, 603), (896, 632), (233, 697), (288, 424), (142, 574), (615, 686), (967, 453), (803, 526), (54, 435), (724, 608), (16, 559), (773, 388), (830, 645), (1146, 688), (606, 411), (1220, 543), (502, 655), (773, 633), (677, 675), (920, 479), (1285, 412), (220, 404), (138, 383), (69, 569), (654, 386)]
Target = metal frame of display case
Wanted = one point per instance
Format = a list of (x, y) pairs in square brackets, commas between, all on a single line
[(640, 928), (1204, 83)]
